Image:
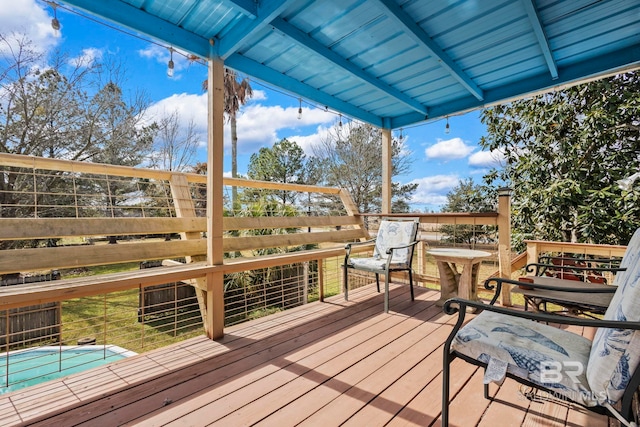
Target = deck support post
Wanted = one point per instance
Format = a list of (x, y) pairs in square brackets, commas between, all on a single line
[(387, 152), (504, 242), (215, 156)]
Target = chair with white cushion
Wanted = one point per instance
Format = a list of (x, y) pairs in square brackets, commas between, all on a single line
[(393, 251), (598, 374)]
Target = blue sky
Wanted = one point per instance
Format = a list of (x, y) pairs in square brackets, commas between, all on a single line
[(440, 160)]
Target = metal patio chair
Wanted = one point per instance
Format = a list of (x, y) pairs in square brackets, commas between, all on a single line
[(393, 251), (598, 374)]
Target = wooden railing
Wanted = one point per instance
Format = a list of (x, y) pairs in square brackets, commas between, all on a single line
[(175, 204), (537, 247), (178, 197)]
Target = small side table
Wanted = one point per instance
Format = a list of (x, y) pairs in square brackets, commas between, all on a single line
[(458, 284)]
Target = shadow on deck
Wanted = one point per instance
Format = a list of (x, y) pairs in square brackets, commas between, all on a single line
[(332, 363)]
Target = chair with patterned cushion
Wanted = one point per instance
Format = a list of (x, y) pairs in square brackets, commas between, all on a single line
[(393, 251), (598, 374)]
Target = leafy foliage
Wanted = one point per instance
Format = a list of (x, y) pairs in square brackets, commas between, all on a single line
[(284, 162), (52, 107), (565, 152), (470, 197), (351, 158)]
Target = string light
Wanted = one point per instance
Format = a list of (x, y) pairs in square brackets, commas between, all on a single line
[(170, 64), (55, 24), (447, 129), (300, 109)]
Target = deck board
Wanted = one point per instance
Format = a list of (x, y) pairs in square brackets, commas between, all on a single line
[(332, 363)]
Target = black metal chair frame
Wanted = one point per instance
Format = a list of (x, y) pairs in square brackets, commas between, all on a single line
[(387, 269), (570, 306), (459, 305), (540, 268)]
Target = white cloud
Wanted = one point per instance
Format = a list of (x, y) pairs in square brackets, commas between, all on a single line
[(432, 190), (258, 95), (258, 125), (87, 58), (188, 106), (449, 149), (487, 159), (32, 19), (306, 142)]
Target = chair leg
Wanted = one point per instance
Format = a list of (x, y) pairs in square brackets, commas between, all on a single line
[(411, 285), (378, 282), (445, 388), (486, 392), (386, 292)]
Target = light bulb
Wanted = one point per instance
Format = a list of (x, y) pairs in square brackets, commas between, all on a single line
[(446, 128), (170, 64), (300, 109), (55, 24), (170, 68)]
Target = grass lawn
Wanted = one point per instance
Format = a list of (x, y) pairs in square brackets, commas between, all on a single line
[(113, 318)]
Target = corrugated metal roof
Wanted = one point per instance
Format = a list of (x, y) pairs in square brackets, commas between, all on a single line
[(396, 62)]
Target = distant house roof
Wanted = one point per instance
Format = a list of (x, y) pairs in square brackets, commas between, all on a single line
[(393, 63)]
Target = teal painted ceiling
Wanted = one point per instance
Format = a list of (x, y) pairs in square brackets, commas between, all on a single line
[(393, 63)]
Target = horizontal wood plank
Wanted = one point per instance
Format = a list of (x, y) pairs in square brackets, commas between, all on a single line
[(245, 223), (295, 239), (55, 228), (32, 162), (61, 290), (26, 260)]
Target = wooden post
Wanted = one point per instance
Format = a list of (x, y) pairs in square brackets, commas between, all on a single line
[(504, 241), (215, 155), (185, 208), (352, 209), (532, 252), (386, 171)]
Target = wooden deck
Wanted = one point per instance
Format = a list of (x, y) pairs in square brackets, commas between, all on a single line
[(328, 364)]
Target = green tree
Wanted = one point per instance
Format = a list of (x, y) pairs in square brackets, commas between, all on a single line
[(470, 197), (565, 152), (284, 162), (53, 107), (351, 156)]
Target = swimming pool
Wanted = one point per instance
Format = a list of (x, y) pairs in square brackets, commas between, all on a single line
[(23, 368)]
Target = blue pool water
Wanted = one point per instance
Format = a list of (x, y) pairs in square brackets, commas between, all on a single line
[(23, 368)]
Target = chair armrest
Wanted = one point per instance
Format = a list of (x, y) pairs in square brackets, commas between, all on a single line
[(539, 268), (548, 259), (585, 288), (349, 245), (500, 280), (459, 305), (393, 248)]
